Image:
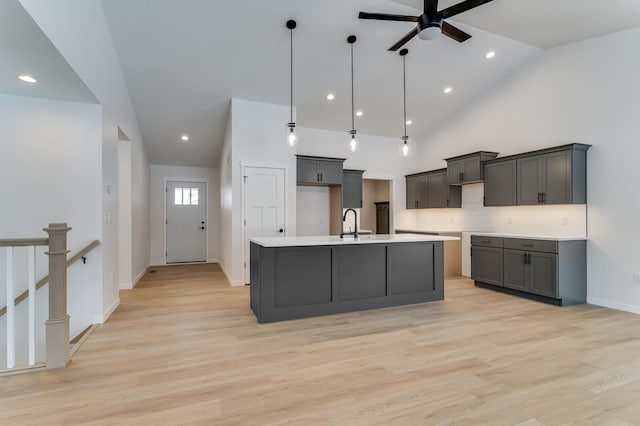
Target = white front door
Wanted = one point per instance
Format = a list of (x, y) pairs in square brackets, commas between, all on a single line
[(186, 222), (264, 205)]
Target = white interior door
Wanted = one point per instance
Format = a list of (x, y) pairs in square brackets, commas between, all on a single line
[(264, 203), (186, 222)]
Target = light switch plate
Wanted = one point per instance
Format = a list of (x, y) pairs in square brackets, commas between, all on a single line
[(636, 277)]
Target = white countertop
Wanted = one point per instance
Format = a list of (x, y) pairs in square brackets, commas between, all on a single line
[(330, 240), (530, 237), (434, 231)]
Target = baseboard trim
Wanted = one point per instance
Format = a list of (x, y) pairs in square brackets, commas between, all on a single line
[(139, 277), (100, 319), (226, 274), (613, 305)]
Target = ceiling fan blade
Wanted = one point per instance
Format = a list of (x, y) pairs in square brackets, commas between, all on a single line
[(411, 34), (461, 7), (387, 17), (455, 33)]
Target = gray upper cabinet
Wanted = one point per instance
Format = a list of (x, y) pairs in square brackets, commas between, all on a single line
[(555, 175), (417, 191), (500, 183), (352, 189), (467, 168), (431, 190), (549, 179), (318, 170)]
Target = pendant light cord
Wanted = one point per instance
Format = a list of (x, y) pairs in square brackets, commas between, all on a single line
[(353, 122), (291, 79), (404, 93)]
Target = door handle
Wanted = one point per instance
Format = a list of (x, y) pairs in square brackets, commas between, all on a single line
[(281, 230)]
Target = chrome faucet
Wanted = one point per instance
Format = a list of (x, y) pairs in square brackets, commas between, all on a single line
[(355, 221)]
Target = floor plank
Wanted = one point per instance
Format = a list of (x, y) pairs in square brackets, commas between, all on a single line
[(184, 348)]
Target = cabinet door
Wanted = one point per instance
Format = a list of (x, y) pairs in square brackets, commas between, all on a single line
[(557, 178), (330, 172), (486, 265), (515, 269), (423, 191), (529, 180), (307, 171), (412, 192), (543, 276), (352, 190), (438, 190), (500, 184), (455, 169), (471, 169)]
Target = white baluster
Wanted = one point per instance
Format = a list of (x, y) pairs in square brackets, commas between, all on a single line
[(11, 315), (32, 305)]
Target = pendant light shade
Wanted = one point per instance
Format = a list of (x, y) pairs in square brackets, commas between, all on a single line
[(405, 138), (292, 137), (354, 141)]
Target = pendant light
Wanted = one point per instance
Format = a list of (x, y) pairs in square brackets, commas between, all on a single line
[(354, 142), (292, 137), (405, 138)]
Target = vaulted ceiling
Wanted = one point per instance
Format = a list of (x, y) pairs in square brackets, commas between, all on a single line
[(184, 60)]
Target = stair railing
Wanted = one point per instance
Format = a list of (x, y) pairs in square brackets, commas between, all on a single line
[(57, 326)]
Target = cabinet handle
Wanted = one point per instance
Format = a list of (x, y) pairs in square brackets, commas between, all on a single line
[(544, 197), (525, 258), (317, 177), (527, 245), (529, 258), (485, 242), (460, 175), (447, 202)]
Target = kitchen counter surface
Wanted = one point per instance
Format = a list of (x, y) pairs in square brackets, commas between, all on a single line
[(430, 231), (330, 240), (529, 237)]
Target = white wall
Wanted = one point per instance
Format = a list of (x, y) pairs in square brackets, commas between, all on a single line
[(159, 176), (312, 210), (226, 201), (93, 57), (51, 156), (584, 92)]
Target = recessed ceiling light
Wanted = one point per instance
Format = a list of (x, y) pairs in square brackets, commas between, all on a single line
[(448, 90), (409, 122), (359, 113), (330, 97), (27, 78), (184, 138), (490, 54)]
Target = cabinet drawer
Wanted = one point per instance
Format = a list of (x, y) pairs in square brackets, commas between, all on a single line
[(544, 246), (477, 240)]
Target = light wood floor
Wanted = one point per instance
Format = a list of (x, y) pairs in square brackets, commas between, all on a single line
[(184, 348)]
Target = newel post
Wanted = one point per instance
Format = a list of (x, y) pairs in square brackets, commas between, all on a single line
[(57, 326)]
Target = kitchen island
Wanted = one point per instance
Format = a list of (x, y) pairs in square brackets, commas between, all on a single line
[(298, 277)]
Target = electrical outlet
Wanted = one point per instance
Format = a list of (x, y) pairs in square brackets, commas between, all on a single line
[(636, 277)]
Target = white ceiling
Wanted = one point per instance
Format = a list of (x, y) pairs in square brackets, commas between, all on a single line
[(548, 23), (184, 60), (24, 49)]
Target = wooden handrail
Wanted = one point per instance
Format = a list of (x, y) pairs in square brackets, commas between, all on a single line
[(73, 259), (22, 242)]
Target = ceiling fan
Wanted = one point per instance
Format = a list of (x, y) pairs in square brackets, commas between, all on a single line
[(430, 24)]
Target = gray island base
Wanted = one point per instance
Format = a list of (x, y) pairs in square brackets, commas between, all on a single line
[(299, 277)]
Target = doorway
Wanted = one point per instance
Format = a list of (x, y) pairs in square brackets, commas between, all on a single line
[(264, 206), (375, 214), (186, 227)]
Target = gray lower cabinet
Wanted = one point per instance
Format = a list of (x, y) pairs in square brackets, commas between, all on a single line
[(500, 183), (318, 170), (352, 189), (305, 281), (547, 270)]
